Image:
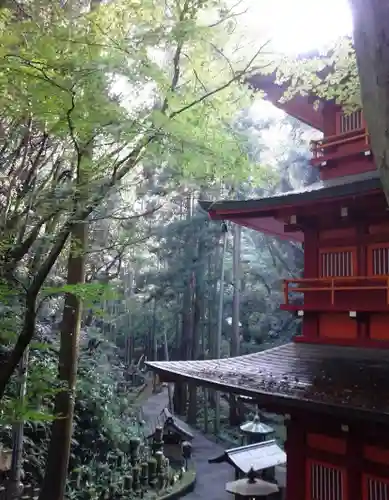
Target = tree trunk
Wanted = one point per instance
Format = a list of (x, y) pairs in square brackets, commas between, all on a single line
[(198, 321), (129, 280), (371, 41), (21, 345), (154, 329), (15, 486), (169, 387), (58, 456), (28, 330), (181, 389), (196, 325), (235, 335), (220, 325), (213, 311)]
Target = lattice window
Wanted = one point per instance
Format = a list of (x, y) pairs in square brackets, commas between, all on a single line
[(378, 260), (325, 482), (375, 488), (337, 263), (349, 122)]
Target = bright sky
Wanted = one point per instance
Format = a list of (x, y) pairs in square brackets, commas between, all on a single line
[(294, 26), (301, 25)]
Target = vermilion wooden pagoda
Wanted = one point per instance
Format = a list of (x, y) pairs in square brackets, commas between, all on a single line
[(332, 381)]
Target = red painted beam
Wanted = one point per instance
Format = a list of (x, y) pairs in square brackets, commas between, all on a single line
[(300, 107), (358, 342)]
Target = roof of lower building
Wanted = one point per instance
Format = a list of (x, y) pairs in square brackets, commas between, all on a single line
[(351, 185), (167, 421), (259, 456), (328, 378)]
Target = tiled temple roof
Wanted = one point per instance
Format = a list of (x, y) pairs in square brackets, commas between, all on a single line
[(350, 185), (334, 379)]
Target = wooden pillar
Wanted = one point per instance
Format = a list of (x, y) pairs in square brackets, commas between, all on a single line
[(311, 253), (311, 270), (295, 448), (362, 231), (354, 465)]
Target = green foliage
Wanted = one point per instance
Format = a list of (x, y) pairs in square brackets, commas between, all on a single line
[(92, 294), (68, 73), (105, 417), (332, 75)]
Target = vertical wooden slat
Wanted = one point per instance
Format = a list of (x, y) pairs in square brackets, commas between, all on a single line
[(375, 488), (326, 482), (337, 264), (387, 261), (378, 260), (349, 122)]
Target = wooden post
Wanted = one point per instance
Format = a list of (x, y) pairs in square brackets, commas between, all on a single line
[(295, 448), (354, 464)]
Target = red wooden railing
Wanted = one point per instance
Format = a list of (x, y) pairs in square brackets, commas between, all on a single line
[(336, 284), (331, 146)]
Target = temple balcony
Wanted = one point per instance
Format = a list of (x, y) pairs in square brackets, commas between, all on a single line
[(346, 137), (336, 147), (351, 293)]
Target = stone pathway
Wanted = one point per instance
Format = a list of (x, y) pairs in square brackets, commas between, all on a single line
[(210, 478)]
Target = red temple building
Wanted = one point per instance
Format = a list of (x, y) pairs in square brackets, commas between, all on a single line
[(332, 381)]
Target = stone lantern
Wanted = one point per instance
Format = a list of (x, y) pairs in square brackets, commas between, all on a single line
[(251, 487), (186, 448), (255, 431)]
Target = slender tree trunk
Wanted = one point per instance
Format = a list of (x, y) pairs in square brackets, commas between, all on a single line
[(8, 368), (198, 323), (130, 336), (169, 387), (181, 389), (220, 325), (154, 330), (235, 336), (15, 486), (207, 342), (192, 400), (213, 308), (58, 456)]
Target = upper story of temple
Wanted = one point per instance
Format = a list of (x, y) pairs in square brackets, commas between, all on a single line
[(345, 146), (342, 220)]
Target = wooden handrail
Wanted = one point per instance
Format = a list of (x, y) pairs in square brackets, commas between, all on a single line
[(319, 146), (339, 278), (335, 284), (339, 142), (342, 135)]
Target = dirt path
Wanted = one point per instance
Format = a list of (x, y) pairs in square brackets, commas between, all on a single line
[(211, 479)]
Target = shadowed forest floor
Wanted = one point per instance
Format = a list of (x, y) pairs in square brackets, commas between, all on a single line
[(211, 479)]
